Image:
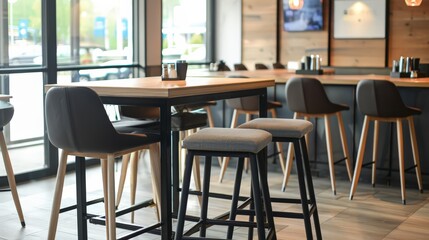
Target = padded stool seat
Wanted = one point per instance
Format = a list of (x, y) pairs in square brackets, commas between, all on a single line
[(241, 143), (292, 128), (294, 131), (228, 140)]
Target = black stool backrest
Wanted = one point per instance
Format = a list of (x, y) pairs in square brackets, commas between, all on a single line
[(240, 67), (77, 121), (381, 98), (278, 66), (6, 113), (244, 103), (260, 66), (307, 95)]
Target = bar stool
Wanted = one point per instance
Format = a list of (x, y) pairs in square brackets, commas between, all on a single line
[(6, 114), (307, 98), (235, 142), (249, 106), (294, 131), (77, 123), (379, 101)]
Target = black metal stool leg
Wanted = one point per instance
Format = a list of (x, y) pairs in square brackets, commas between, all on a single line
[(263, 182), (185, 194), (303, 189), (310, 188), (205, 195), (252, 208), (257, 198), (235, 196)]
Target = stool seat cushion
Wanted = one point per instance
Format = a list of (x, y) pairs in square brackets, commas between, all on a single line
[(6, 113), (290, 128), (228, 140)]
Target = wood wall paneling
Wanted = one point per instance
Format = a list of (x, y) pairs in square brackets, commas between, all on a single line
[(259, 32), (409, 31)]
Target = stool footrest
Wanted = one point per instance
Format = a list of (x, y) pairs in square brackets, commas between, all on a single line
[(217, 195), (340, 160), (288, 200), (5, 190), (72, 207), (368, 163)]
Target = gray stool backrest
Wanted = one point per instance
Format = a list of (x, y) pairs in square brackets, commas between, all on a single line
[(77, 121), (6, 113), (307, 95), (381, 98)]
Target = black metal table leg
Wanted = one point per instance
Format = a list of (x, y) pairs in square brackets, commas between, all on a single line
[(82, 228)]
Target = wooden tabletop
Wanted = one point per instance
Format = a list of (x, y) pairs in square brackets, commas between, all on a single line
[(4, 97), (155, 87), (281, 76)]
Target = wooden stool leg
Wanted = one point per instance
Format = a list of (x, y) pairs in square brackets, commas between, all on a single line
[(11, 178), (415, 152), (400, 136), (279, 146), (289, 160), (56, 204), (226, 159), (360, 155), (133, 180), (375, 150), (122, 178), (103, 163), (330, 153), (155, 169), (111, 197), (344, 145)]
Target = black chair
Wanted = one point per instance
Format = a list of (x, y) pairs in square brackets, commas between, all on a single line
[(278, 66), (260, 66), (6, 114), (380, 101), (77, 124), (307, 98), (249, 106), (240, 67)]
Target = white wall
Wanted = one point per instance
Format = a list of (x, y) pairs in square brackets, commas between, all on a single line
[(228, 31)]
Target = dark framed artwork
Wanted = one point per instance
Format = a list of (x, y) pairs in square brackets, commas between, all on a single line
[(302, 15)]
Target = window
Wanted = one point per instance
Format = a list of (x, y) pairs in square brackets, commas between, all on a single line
[(185, 31)]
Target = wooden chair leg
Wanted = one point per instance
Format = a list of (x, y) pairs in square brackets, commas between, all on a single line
[(11, 178), (209, 116), (282, 158), (359, 159), (122, 178), (415, 152), (155, 165), (289, 160), (375, 150), (344, 145), (133, 180), (226, 159), (330, 153), (111, 216), (56, 204), (103, 163), (400, 136)]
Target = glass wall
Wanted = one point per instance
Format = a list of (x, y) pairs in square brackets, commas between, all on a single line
[(94, 41), (185, 31)]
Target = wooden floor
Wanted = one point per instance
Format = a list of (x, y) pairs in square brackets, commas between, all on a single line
[(375, 213)]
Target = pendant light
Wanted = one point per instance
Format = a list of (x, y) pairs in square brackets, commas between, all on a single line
[(297, 4), (410, 3)]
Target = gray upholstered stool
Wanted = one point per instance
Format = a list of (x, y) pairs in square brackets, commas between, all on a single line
[(294, 131), (224, 142)]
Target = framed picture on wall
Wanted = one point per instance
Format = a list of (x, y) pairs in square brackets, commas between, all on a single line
[(359, 19), (302, 15)]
